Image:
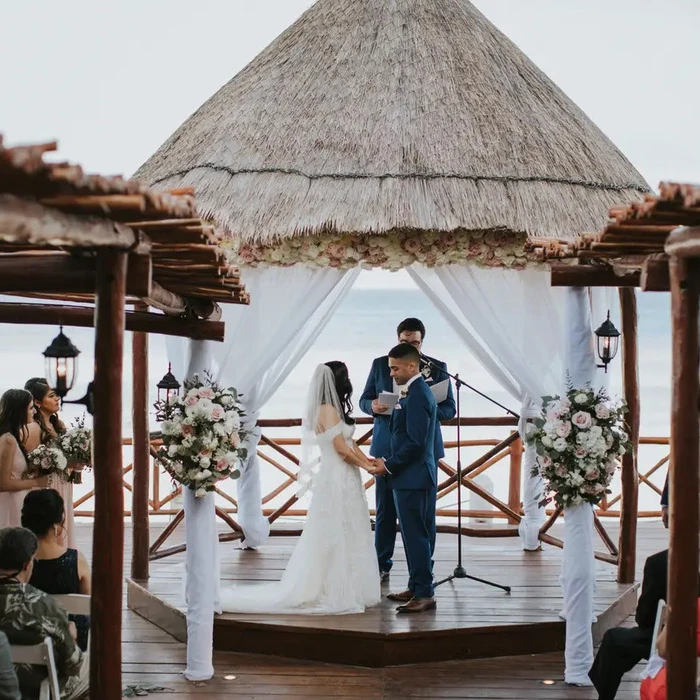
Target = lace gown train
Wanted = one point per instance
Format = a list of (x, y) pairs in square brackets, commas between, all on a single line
[(333, 569)]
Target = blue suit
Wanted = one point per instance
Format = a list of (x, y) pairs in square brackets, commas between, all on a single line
[(380, 380), (412, 469)]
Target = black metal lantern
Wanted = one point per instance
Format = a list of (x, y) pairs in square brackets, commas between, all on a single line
[(607, 341), (61, 364), (168, 386)]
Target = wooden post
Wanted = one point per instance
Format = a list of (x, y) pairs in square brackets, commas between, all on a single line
[(630, 478), (683, 483), (516, 461), (142, 454), (108, 531)]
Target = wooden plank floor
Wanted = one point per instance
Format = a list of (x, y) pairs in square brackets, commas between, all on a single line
[(150, 656), (472, 619)]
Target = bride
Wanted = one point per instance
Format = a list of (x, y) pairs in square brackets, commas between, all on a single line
[(333, 569)]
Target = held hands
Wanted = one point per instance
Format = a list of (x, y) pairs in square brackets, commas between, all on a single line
[(378, 467), (379, 408)]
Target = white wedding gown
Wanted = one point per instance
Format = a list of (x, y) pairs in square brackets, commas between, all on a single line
[(333, 569)]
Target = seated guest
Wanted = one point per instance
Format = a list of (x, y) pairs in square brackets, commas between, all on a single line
[(28, 615), (664, 503), (58, 570), (9, 686), (623, 648), (654, 685)]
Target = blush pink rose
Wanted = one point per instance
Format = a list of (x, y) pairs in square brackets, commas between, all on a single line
[(591, 474)]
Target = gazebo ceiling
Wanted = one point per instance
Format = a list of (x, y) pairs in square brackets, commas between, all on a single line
[(374, 116)]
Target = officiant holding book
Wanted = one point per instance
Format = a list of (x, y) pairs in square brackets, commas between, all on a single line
[(378, 400)]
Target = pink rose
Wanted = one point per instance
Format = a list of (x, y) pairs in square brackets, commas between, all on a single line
[(191, 400), (187, 429), (561, 471), (221, 464), (235, 440), (206, 392), (218, 412), (581, 452), (582, 419), (412, 245), (591, 474), (563, 429), (336, 250)]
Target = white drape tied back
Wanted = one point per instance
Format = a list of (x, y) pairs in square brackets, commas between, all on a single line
[(512, 321)]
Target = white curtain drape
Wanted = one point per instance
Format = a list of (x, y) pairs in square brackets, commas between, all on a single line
[(578, 560), (512, 321), (202, 557), (289, 307)]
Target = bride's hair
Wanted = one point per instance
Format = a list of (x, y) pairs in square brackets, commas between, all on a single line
[(343, 387)]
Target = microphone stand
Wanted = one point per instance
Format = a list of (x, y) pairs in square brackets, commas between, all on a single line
[(460, 572)]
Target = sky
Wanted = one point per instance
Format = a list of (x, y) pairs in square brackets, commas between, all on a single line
[(111, 81)]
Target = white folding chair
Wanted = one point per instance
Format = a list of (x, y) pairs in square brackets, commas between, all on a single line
[(40, 655), (75, 604)]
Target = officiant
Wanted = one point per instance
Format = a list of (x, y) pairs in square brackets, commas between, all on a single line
[(411, 331)]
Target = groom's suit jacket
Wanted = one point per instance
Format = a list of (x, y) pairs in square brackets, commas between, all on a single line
[(379, 380), (412, 464)]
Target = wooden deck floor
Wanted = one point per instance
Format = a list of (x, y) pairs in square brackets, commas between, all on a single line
[(152, 657)]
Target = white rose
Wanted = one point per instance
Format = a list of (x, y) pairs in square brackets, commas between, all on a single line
[(560, 444), (172, 450), (580, 398), (203, 475), (204, 462), (200, 492), (547, 441)]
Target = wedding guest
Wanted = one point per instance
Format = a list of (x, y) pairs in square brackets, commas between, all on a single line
[(58, 570), (27, 616), (16, 413), (664, 504), (47, 427), (9, 686), (654, 685), (411, 331), (623, 648)]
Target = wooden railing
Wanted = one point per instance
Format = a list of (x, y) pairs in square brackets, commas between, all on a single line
[(479, 456)]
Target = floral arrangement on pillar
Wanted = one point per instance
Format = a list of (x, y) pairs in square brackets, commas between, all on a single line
[(580, 439), (393, 250), (202, 435)]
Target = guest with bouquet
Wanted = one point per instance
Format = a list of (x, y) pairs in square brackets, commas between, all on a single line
[(16, 414)]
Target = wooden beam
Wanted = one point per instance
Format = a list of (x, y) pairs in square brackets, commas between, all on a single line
[(683, 483), (108, 531), (654, 277), (62, 273), (142, 454), (591, 276), (137, 321), (30, 223), (684, 242), (630, 477)]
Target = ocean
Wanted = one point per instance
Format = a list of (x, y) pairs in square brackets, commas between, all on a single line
[(362, 329)]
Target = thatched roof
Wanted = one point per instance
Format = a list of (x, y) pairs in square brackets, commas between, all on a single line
[(368, 116)]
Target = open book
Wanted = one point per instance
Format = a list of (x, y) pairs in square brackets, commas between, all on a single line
[(440, 390)]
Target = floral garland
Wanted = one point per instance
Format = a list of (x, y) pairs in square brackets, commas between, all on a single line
[(202, 435), (393, 251), (579, 441)]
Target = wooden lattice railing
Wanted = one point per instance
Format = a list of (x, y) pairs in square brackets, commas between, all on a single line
[(278, 452)]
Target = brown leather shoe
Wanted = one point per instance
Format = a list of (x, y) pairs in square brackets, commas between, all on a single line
[(417, 605), (402, 597)]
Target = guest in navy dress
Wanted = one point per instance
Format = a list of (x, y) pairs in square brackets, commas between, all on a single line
[(58, 570)]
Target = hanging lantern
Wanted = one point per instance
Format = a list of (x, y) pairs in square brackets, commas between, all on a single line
[(61, 364), (607, 341), (168, 386)]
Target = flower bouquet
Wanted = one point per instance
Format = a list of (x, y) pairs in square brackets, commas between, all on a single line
[(46, 460), (202, 435), (579, 439), (76, 444)]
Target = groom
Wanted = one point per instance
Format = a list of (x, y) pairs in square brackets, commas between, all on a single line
[(412, 332), (412, 472)]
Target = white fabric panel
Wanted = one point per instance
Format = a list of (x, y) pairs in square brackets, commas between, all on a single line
[(202, 558), (512, 321), (579, 586), (289, 308)]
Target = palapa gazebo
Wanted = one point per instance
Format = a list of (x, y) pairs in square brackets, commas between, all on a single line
[(393, 134)]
